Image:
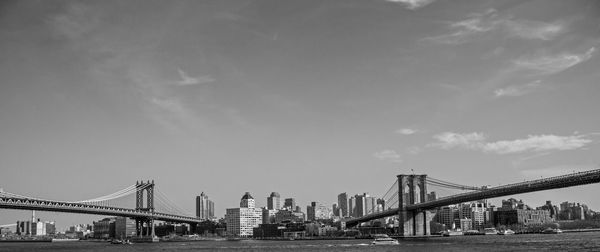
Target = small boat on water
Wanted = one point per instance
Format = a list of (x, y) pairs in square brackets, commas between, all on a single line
[(452, 233), (473, 232), (552, 231), (64, 239), (384, 240), (490, 231), (506, 232)]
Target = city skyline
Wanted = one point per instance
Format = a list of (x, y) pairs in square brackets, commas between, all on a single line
[(267, 96)]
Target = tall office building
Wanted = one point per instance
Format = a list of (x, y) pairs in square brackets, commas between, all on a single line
[(274, 201), (242, 220), (361, 205), (343, 204), (205, 208), (290, 204), (352, 207)]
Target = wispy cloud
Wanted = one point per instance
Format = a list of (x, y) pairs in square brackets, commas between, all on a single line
[(518, 90), (412, 4), (449, 140), (406, 131), (188, 80), (388, 155), (480, 23), (550, 64), (533, 143)]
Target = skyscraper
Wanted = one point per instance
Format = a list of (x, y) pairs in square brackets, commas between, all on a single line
[(290, 204), (274, 201), (343, 204), (241, 221), (205, 208), (361, 205)]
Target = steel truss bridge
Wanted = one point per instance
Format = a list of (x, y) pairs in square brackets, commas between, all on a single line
[(478, 193), (103, 205)]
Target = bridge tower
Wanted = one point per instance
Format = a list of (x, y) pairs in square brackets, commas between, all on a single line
[(147, 188), (412, 189)]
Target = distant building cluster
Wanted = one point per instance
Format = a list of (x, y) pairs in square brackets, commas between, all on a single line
[(357, 206), (35, 228)]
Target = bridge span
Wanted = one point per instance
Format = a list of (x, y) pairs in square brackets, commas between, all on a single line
[(569, 180), (144, 213)]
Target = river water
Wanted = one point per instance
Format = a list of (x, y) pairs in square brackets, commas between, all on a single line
[(527, 242)]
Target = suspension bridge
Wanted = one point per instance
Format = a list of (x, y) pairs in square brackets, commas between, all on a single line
[(150, 205), (409, 200)]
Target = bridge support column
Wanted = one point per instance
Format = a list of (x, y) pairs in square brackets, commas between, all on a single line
[(412, 189), (145, 225)]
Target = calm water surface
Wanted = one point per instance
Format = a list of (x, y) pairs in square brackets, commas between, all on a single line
[(546, 242)]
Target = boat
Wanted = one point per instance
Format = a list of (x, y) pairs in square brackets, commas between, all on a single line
[(64, 239), (384, 240), (552, 231), (473, 232), (506, 232), (490, 231), (452, 233)]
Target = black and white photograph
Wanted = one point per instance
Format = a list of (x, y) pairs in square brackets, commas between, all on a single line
[(299, 125)]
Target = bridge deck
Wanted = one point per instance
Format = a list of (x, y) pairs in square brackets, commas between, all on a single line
[(575, 179)]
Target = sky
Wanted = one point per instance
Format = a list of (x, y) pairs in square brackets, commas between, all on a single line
[(305, 98)]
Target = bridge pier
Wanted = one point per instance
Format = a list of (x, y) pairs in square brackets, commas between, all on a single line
[(412, 189), (145, 226)]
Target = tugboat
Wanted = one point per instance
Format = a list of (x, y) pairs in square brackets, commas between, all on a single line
[(384, 240)]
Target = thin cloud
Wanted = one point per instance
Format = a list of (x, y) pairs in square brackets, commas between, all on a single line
[(478, 24), (537, 143), (449, 140), (412, 4), (551, 64), (519, 90), (188, 80), (388, 155), (406, 131), (533, 143)]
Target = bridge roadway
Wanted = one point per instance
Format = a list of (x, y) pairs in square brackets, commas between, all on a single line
[(71, 207), (569, 180)]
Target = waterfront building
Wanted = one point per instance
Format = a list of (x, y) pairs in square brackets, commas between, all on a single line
[(380, 205), (205, 208), (553, 209), (466, 224), (336, 210), (317, 211), (289, 216), (361, 202), (290, 204), (124, 227), (343, 204), (310, 211), (103, 229), (274, 201), (352, 207), (447, 216), (241, 221), (521, 216), (268, 215), (478, 215), (572, 211)]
